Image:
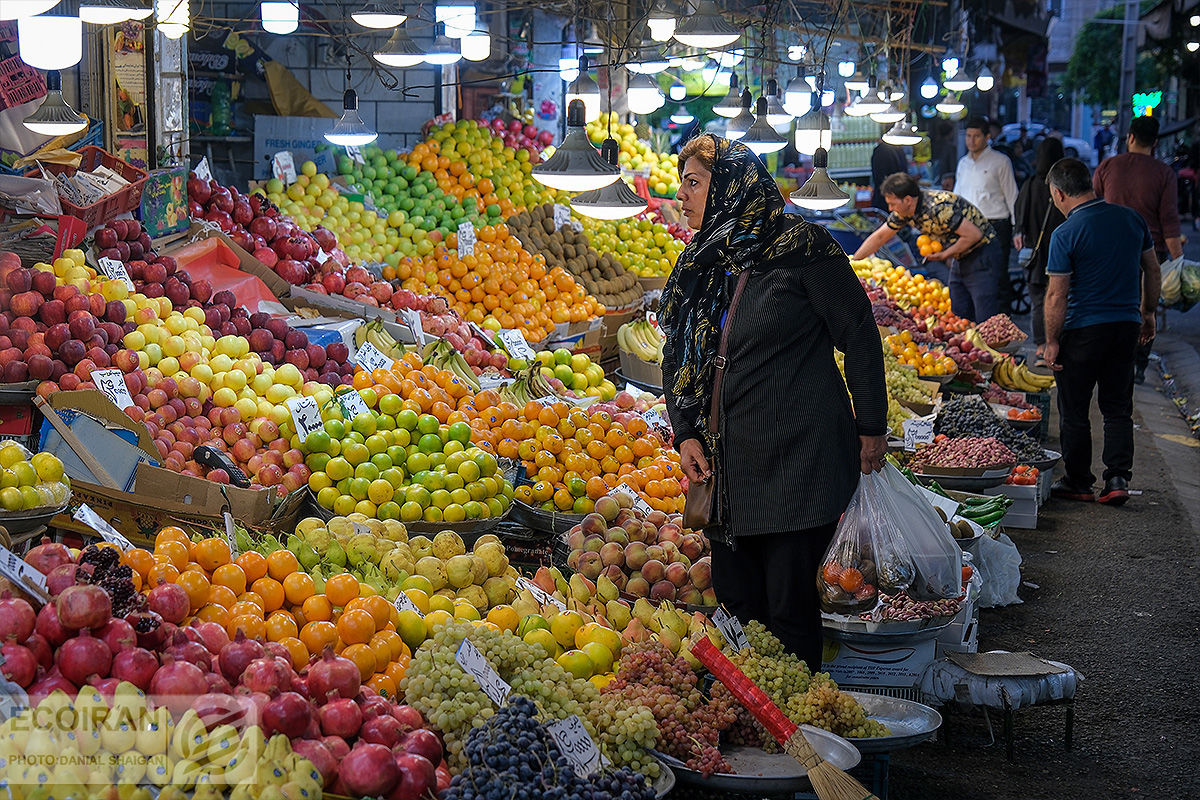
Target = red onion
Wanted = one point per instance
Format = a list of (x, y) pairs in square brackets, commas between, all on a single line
[(288, 713), (170, 601), (118, 635), (340, 717), (369, 771), (266, 674), (40, 648), (83, 656), (183, 649), (50, 682), (238, 654), (20, 664), (320, 756), (135, 665), (212, 636), (418, 777), (49, 626), (332, 674), (48, 555), (384, 730), (178, 682), (81, 607), (16, 618), (422, 742)]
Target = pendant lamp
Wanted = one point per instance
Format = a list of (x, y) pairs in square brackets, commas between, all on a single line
[(706, 28), (819, 192), (813, 132), (731, 104), (584, 88), (400, 51), (762, 137), (736, 128), (614, 201), (55, 117), (110, 12), (50, 41), (379, 16), (575, 165), (902, 133)]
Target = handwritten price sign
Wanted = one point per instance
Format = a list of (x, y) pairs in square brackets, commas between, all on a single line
[(731, 629), (466, 240), (539, 594), (473, 662), (116, 270), (306, 416), (112, 383), (369, 358), (404, 603), (576, 744), (917, 431)]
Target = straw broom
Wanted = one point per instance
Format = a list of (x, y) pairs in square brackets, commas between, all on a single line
[(829, 782)]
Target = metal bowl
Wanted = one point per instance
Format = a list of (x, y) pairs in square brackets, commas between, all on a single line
[(1049, 462), (852, 629), (909, 721), (19, 522), (1018, 424), (964, 483)]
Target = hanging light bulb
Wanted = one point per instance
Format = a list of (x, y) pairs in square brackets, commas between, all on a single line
[(929, 87), (643, 95), (729, 58), (457, 16), (400, 51), (857, 82), (174, 17), (443, 51), (110, 12), (869, 103), (575, 165), (614, 201), (568, 68), (55, 117), (736, 128), (798, 97), (889, 92), (846, 68), (661, 23), (682, 116), (279, 17), (950, 65), (856, 108), (986, 80), (777, 115), (819, 192), (812, 132), (950, 106), (706, 28), (710, 73), (585, 89), (827, 98), (762, 137), (888, 116), (50, 41), (650, 60), (379, 16), (902, 133), (16, 9), (677, 91), (731, 104), (350, 130), (959, 81), (478, 45)]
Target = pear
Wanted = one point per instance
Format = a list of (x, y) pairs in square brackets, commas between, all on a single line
[(158, 769), (476, 596), (306, 527), (335, 555), (672, 640), (420, 546), (361, 550), (525, 605), (511, 572), (119, 732), (448, 544), (131, 768), (668, 617), (497, 591), (635, 632), (643, 609), (544, 580), (307, 555), (64, 779), (91, 709), (618, 614), (579, 589), (699, 623), (397, 565), (606, 589), (686, 652)]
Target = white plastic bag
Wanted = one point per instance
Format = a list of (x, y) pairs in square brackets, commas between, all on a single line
[(936, 556), (1171, 281), (998, 563)]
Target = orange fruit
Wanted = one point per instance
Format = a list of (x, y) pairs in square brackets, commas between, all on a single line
[(231, 576), (363, 657), (253, 564), (271, 592), (298, 587), (211, 553), (175, 552), (214, 613), (381, 647), (221, 596), (317, 608), (341, 589), (356, 626), (139, 560), (243, 608), (384, 685), (397, 669), (162, 572), (280, 626), (297, 651), (282, 563), (253, 627), (380, 609), (171, 533), (318, 635), (196, 585), (397, 645)]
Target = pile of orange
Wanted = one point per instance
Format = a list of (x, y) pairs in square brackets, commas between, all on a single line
[(914, 291), (927, 245), (926, 360), (271, 598), (502, 280)]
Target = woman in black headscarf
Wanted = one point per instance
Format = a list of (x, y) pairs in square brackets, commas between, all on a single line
[(1036, 217), (789, 446)]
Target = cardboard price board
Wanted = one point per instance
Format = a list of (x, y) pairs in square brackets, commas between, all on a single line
[(638, 503), (473, 662), (574, 742), (283, 167), (13, 567), (917, 431), (112, 382), (404, 603), (731, 629), (369, 358), (514, 342), (97, 523), (306, 416), (466, 240), (352, 403), (116, 270)]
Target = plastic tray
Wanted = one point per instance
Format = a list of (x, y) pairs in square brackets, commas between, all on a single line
[(853, 629), (129, 198), (964, 483), (909, 721), (649, 387)]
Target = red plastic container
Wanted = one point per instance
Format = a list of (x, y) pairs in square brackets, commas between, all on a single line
[(127, 199)]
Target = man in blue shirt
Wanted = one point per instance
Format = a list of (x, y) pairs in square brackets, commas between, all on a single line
[(1104, 283)]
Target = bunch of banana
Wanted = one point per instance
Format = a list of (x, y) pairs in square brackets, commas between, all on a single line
[(441, 354), (528, 384), (972, 336), (642, 339), (382, 341), (1017, 377)]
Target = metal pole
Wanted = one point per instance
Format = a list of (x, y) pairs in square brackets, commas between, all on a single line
[(1128, 71)]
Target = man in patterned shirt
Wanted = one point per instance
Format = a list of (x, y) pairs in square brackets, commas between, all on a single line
[(968, 242)]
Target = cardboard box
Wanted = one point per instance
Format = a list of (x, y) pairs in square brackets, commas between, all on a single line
[(335, 305), (105, 432), (641, 372), (248, 506), (587, 342), (897, 663)]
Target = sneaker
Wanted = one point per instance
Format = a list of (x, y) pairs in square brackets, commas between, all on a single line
[(1115, 492), (1065, 491), (1139, 376)]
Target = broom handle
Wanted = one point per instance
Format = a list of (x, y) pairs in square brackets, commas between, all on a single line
[(745, 690)]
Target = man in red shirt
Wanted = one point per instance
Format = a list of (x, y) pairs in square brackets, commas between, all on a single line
[(1138, 180)]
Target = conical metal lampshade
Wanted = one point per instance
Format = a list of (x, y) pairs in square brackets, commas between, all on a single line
[(731, 104), (400, 51), (55, 117), (706, 28), (736, 128), (615, 201), (575, 165), (819, 192), (443, 50), (110, 12), (902, 133), (762, 137), (350, 130)]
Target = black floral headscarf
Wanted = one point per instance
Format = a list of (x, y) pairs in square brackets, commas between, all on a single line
[(744, 227)]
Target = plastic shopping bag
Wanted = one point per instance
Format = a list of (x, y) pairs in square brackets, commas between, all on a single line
[(868, 554), (1172, 281), (936, 557)]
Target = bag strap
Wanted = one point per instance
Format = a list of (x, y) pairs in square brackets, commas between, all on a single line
[(1042, 230), (721, 361)]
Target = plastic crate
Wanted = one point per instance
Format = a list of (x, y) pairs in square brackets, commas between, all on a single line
[(19, 83), (93, 136), (127, 199)]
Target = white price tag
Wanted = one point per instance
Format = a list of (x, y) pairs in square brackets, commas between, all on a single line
[(13, 567), (356, 153), (321, 257), (540, 594), (202, 170), (231, 535), (574, 742), (562, 215), (654, 418), (412, 318), (283, 166), (369, 358), (404, 603), (306, 416), (111, 381), (116, 270), (638, 503), (359, 528), (466, 239), (352, 403), (917, 431), (100, 525), (473, 662), (514, 342), (731, 629), (488, 382)]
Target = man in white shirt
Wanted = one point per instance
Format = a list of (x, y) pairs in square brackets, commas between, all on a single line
[(985, 180)]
